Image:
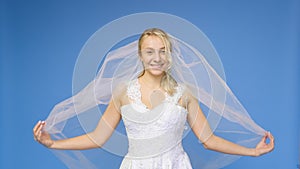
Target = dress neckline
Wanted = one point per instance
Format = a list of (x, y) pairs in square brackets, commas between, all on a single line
[(135, 95), (139, 99)]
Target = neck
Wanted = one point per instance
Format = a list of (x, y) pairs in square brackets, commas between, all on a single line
[(151, 81)]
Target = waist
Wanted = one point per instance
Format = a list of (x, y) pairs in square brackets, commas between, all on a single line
[(150, 147)]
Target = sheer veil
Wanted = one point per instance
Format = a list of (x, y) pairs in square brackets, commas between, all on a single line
[(80, 113)]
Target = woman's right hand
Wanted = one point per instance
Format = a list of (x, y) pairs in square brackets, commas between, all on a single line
[(41, 136)]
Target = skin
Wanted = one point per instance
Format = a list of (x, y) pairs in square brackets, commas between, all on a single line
[(154, 57), (155, 64)]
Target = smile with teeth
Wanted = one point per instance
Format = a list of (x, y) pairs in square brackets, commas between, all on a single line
[(156, 66)]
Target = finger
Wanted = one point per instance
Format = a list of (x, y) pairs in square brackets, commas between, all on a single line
[(36, 126), (36, 132), (43, 123), (271, 136), (38, 137), (272, 141), (271, 144), (39, 129), (264, 138)]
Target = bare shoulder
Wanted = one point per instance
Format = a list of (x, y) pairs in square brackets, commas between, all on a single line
[(188, 93), (187, 96), (119, 96)]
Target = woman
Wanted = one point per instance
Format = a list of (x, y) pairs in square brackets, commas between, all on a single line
[(154, 108)]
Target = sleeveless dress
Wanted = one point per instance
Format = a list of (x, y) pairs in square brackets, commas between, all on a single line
[(154, 136)]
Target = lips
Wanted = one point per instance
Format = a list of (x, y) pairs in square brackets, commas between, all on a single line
[(156, 66)]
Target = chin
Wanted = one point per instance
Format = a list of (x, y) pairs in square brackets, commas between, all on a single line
[(156, 72)]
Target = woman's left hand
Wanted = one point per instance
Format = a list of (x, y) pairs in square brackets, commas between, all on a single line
[(263, 147)]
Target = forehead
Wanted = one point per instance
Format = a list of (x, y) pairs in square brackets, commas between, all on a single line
[(152, 42)]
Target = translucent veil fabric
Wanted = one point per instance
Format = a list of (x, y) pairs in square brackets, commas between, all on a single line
[(80, 113)]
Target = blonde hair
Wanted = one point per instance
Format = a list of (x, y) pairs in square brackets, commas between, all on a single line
[(168, 83)]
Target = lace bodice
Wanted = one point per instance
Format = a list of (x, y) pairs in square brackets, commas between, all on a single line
[(134, 94), (156, 133)]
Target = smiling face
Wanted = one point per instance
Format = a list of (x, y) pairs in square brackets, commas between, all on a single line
[(155, 51), (154, 55)]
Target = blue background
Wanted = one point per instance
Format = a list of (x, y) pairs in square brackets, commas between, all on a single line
[(258, 42)]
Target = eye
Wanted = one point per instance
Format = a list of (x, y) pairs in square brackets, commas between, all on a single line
[(162, 52), (148, 52)]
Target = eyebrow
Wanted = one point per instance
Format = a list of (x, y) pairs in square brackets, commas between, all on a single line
[(153, 48)]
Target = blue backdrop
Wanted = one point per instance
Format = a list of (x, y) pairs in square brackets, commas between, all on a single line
[(258, 42)]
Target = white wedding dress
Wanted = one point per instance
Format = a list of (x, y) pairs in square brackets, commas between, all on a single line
[(154, 135)]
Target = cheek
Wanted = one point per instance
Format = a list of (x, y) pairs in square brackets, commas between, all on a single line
[(145, 59), (166, 59)]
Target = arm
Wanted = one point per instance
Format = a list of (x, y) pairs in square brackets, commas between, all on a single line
[(202, 130), (94, 139)]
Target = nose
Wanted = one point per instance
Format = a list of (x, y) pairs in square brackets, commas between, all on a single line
[(157, 57)]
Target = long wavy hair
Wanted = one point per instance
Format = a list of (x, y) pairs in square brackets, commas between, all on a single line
[(168, 83)]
